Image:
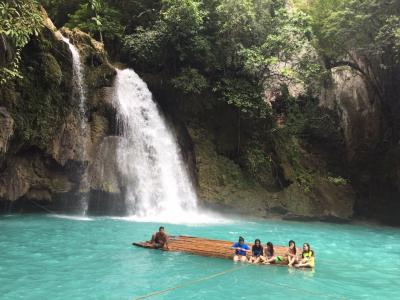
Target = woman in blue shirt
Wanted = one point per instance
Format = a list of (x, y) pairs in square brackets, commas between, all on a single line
[(241, 250)]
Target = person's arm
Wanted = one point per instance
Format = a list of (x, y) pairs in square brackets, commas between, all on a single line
[(236, 246), (166, 241)]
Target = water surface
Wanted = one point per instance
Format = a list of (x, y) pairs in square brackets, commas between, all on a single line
[(47, 257)]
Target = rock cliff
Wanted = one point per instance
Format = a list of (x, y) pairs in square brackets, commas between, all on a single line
[(41, 144)]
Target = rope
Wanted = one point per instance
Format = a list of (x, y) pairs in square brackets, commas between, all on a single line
[(329, 296), (152, 294), (183, 285)]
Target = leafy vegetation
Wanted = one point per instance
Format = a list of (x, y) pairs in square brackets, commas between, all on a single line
[(338, 180), (18, 21), (97, 18), (364, 35), (233, 48)]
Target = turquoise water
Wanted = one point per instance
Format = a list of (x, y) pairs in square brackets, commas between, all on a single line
[(45, 257)]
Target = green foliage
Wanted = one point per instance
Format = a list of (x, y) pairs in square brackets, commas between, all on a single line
[(58, 10), (97, 18), (388, 37), (18, 21), (243, 94), (190, 81), (240, 46), (339, 181), (249, 43), (40, 108), (347, 27), (259, 164), (288, 147), (144, 47)]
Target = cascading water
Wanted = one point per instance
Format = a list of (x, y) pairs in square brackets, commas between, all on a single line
[(158, 185), (79, 93)]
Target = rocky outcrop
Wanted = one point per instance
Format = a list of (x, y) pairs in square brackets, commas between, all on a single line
[(262, 179), (358, 109), (369, 122), (6, 129), (103, 171), (44, 154)]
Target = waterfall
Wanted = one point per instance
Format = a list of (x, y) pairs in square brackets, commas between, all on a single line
[(79, 94), (157, 183)]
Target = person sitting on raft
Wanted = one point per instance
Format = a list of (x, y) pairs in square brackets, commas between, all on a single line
[(160, 239), (270, 254), (241, 250), (257, 252), (307, 257), (291, 254)]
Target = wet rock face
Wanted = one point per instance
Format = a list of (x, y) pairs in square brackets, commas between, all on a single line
[(6, 129), (358, 109), (103, 171), (41, 139), (224, 183), (370, 126)]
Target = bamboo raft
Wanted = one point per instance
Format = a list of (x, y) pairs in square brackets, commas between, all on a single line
[(207, 247)]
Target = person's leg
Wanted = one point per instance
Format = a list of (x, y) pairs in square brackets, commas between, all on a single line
[(243, 258), (263, 259), (303, 265), (291, 261), (257, 260), (236, 258)]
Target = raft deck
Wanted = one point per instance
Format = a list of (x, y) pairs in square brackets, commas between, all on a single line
[(207, 247)]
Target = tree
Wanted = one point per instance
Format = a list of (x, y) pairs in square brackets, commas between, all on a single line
[(97, 18), (363, 35), (18, 21)]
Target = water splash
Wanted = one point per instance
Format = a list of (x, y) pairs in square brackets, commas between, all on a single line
[(79, 93), (158, 187)]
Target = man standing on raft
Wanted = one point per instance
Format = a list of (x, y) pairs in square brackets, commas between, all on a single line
[(241, 250), (159, 239)]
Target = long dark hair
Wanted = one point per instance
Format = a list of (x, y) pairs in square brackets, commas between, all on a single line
[(270, 248), (259, 243), (309, 248), (294, 244)]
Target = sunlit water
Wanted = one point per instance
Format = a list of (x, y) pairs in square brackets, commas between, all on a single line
[(56, 257)]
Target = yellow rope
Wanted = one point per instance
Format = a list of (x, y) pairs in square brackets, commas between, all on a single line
[(189, 283)]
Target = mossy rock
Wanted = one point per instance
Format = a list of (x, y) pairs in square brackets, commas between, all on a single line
[(51, 69), (100, 76), (60, 185)]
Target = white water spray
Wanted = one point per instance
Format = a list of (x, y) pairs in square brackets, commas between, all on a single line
[(79, 93), (158, 185)]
